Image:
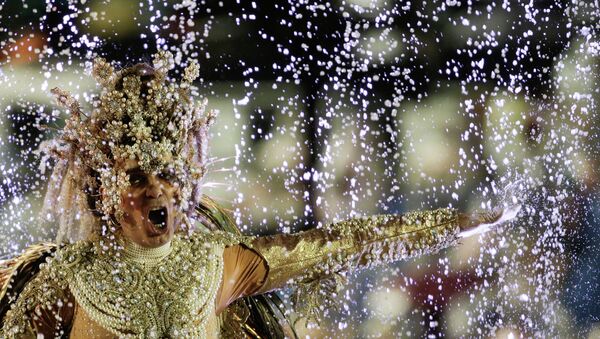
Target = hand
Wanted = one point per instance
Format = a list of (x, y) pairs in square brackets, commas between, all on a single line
[(481, 222), (513, 197)]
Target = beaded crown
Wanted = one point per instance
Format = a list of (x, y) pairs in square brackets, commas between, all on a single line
[(142, 115)]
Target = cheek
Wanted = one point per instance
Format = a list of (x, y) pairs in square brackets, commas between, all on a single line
[(174, 194), (129, 203)]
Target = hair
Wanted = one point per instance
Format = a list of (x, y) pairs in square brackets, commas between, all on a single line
[(92, 193)]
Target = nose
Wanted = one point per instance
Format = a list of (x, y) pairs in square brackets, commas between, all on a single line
[(153, 190)]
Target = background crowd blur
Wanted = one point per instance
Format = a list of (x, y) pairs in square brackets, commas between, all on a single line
[(341, 108)]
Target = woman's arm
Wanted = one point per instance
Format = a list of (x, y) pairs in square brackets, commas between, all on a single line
[(36, 300), (54, 321), (272, 262), (355, 244), (39, 310)]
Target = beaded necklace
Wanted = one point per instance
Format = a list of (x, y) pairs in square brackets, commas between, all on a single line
[(174, 298), (135, 297), (147, 257)]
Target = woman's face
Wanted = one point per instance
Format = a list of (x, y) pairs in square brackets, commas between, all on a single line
[(149, 204)]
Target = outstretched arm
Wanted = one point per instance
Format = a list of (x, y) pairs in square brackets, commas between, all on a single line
[(354, 244), (271, 262)]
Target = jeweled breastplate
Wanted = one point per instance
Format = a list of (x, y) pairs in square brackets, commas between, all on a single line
[(169, 292)]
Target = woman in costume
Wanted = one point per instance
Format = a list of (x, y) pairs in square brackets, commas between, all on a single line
[(141, 253)]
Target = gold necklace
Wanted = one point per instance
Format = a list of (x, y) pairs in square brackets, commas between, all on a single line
[(148, 257)]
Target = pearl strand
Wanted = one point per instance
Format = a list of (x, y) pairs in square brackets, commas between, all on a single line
[(148, 257)]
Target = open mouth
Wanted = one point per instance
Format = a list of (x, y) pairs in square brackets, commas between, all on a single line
[(158, 217)]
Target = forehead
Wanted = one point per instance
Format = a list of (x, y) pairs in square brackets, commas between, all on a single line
[(129, 164), (133, 166)]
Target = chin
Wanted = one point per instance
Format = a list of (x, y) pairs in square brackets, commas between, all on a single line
[(158, 240), (147, 237)]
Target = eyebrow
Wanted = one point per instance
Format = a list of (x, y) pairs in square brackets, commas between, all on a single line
[(136, 170)]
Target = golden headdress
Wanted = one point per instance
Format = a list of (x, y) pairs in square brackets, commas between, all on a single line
[(140, 114)]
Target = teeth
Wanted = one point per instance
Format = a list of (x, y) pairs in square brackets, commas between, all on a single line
[(158, 219)]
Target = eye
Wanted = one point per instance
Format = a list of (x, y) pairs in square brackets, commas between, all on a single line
[(167, 175), (137, 179)]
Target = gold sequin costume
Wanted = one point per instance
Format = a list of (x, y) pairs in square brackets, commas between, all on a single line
[(131, 299), (355, 243), (176, 298), (312, 261)]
